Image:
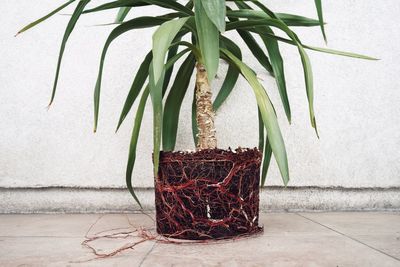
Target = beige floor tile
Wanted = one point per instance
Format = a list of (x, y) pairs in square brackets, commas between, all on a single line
[(288, 250), (288, 240), (44, 251), (64, 225), (380, 230), (359, 222), (290, 223), (388, 243)]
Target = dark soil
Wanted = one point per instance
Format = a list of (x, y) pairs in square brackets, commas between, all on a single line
[(208, 194)]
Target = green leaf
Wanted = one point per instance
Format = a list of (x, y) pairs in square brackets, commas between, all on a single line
[(288, 19), (278, 69), (260, 131), (296, 20), (303, 55), (116, 4), (71, 25), (36, 22), (141, 77), (174, 102), (156, 99), (216, 12), (162, 39), (175, 58), (229, 83), (318, 5), (265, 9), (320, 49), (252, 44), (273, 51), (208, 40), (338, 52), (231, 75), (256, 50), (267, 151), (136, 23), (133, 143), (266, 161), (267, 114), (193, 48), (134, 3), (136, 86), (122, 13), (136, 129), (173, 50)]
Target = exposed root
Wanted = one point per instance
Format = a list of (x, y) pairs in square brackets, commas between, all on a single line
[(208, 194), (143, 235)]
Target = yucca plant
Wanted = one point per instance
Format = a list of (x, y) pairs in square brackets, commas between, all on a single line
[(195, 29)]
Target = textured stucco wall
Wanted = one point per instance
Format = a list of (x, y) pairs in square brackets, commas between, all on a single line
[(357, 102)]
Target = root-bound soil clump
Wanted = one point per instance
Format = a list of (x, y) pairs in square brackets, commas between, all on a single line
[(208, 194)]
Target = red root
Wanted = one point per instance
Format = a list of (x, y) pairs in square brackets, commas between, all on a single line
[(208, 194)]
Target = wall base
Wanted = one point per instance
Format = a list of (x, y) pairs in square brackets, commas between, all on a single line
[(109, 200)]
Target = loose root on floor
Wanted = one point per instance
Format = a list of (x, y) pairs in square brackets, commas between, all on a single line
[(143, 234)]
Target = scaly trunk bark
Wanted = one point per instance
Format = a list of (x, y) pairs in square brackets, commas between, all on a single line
[(204, 111)]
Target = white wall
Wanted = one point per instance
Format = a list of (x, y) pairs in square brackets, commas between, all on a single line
[(357, 102)]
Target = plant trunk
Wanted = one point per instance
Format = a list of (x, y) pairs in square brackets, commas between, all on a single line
[(204, 111)]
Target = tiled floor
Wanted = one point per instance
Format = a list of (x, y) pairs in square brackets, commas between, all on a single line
[(289, 239)]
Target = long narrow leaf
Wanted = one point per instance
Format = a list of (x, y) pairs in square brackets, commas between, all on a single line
[(253, 46), (267, 151), (175, 58), (318, 49), (231, 75), (216, 12), (36, 22), (174, 102), (134, 3), (71, 25), (229, 83), (308, 77), (116, 4), (318, 5), (278, 68), (193, 48), (267, 113), (260, 131), (122, 13), (171, 53), (266, 161), (137, 23), (208, 39), (136, 86), (134, 141), (288, 19), (162, 39), (268, 11), (156, 100), (273, 52), (296, 20)]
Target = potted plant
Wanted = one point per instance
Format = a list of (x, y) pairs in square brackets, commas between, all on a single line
[(211, 192)]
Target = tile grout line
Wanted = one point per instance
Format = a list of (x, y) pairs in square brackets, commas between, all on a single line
[(147, 254), (349, 237)]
